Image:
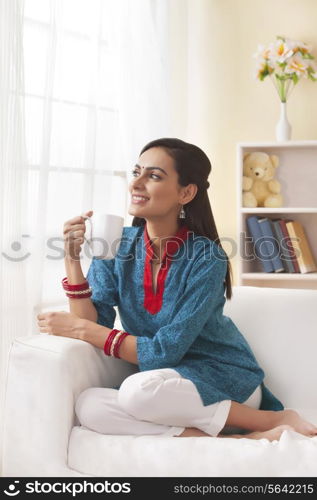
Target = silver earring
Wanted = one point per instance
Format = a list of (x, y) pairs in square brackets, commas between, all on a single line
[(182, 214)]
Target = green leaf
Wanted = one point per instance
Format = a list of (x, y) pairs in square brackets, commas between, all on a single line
[(282, 65), (306, 55), (295, 78), (312, 78)]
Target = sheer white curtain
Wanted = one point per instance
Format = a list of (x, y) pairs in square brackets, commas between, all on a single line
[(99, 95), (84, 86), (13, 182), (143, 94), (74, 148)]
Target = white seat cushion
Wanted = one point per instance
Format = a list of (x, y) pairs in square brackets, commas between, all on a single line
[(140, 456)]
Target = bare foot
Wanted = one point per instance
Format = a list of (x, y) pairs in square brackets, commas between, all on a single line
[(271, 435), (292, 418), (282, 421)]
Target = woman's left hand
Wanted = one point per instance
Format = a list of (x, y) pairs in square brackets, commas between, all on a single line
[(61, 323)]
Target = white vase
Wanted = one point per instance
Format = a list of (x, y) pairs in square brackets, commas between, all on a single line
[(283, 128)]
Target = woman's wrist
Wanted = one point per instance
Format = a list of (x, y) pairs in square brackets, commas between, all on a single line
[(78, 329), (70, 261), (97, 335), (73, 271), (94, 333)]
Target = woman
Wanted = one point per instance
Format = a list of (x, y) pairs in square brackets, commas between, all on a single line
[(198, 376)]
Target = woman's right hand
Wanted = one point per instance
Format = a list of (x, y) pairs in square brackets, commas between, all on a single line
[(74, 230)]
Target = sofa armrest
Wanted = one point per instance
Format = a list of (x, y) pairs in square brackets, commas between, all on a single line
[(45, 375)]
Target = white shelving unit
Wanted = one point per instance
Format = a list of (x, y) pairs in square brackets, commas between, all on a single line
[(297, 174)]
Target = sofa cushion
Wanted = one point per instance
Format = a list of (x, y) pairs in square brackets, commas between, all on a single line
[(158, 456)]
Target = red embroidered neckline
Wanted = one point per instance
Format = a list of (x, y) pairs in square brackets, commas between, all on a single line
[(153, 301)]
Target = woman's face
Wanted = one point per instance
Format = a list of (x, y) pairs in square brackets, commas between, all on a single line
[(154, 187)]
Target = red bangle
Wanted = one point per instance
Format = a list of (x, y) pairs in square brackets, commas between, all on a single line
[(108, 342), (81, 296), (117, 346), (75, 288)]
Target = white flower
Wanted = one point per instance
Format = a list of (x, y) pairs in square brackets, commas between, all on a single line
[(297, 65), (299, 46), (259, 68), (280, 51), (262, 52), (263, 68)]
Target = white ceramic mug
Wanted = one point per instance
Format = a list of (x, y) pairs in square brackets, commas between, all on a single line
[(104, 235)]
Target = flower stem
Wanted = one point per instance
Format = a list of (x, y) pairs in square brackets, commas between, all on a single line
[(282, 91)]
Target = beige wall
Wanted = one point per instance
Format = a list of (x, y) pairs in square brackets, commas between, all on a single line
[(225, 104)]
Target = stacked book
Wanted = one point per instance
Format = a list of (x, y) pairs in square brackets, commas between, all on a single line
[(281, 245)]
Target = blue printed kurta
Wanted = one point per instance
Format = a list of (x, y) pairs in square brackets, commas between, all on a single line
[(182, 326)]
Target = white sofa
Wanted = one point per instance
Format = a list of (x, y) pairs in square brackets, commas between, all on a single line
[(47, 373)]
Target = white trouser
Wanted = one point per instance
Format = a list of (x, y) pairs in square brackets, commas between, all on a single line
[(154, 402)]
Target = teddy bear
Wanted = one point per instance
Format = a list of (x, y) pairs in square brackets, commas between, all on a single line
[(259, 187)]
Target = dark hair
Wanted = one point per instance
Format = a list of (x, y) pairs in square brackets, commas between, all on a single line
[(193, 167)]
